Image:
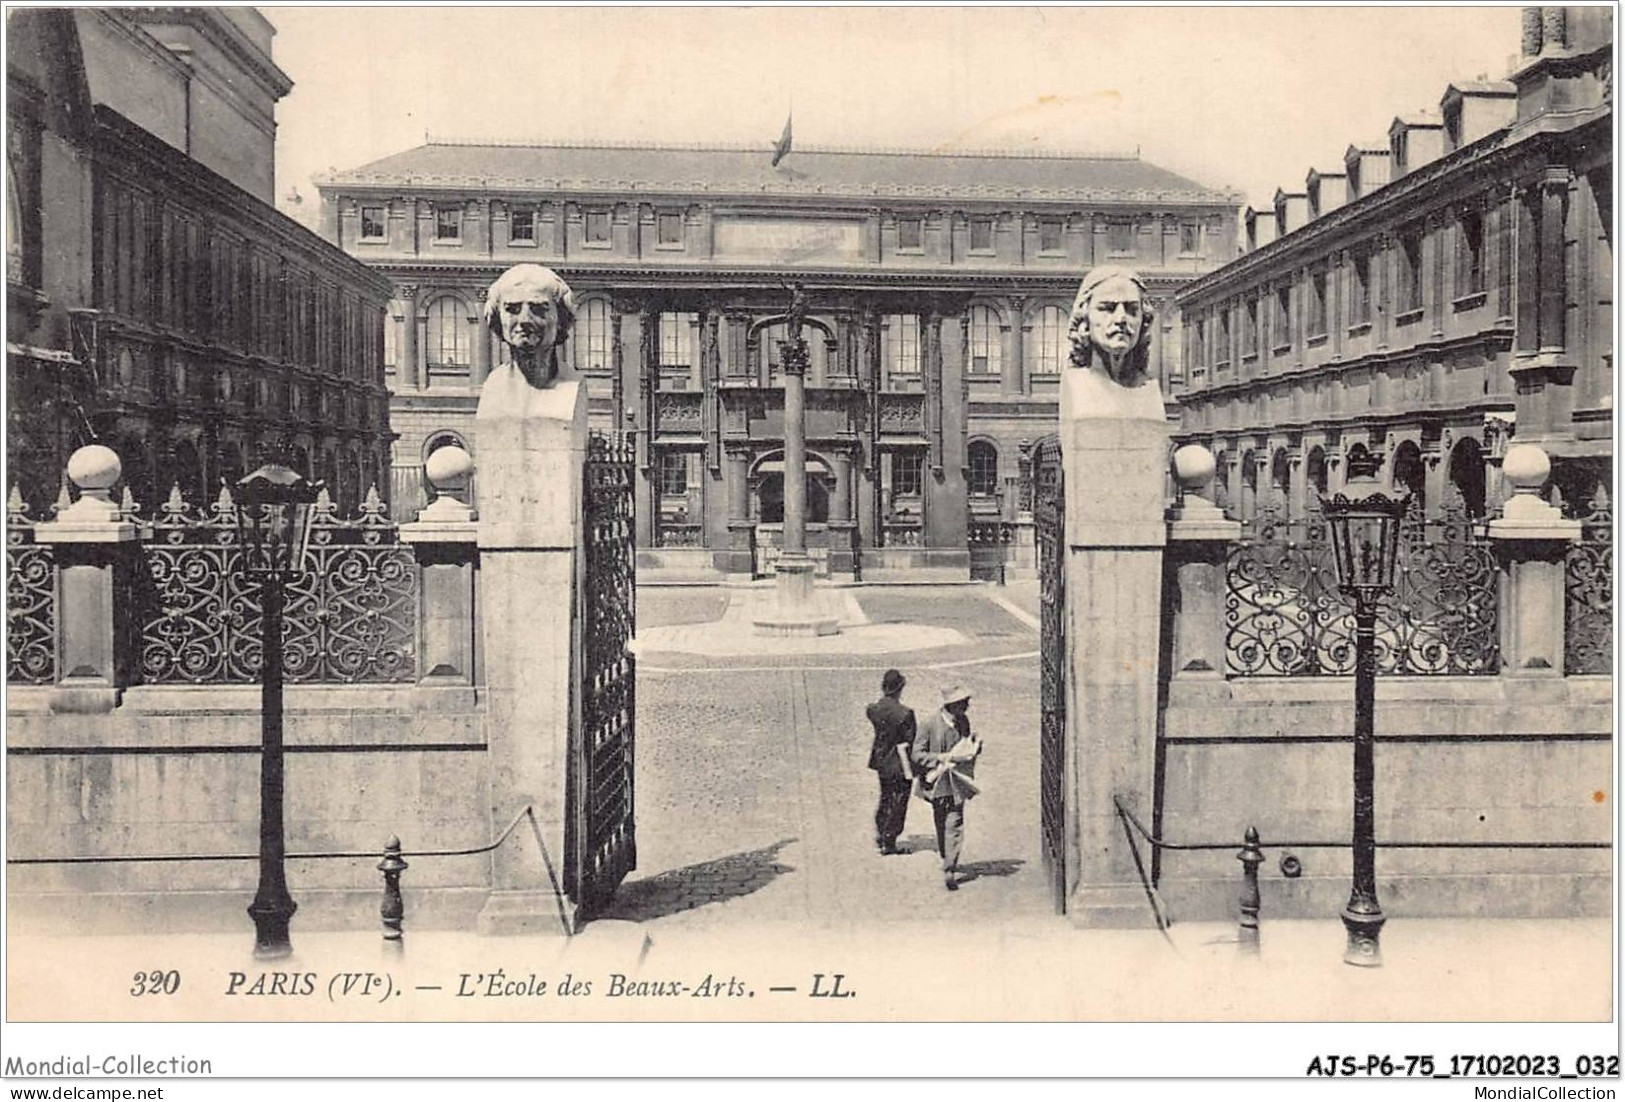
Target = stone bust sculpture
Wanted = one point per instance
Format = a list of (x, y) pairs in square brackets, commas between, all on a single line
[(532, 310), (1110, 332), (1111, 326)]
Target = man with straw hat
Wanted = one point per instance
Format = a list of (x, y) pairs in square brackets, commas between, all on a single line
[(889, 758), (945, 754)]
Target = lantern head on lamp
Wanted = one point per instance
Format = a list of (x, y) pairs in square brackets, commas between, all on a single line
[(1365, 525), (273, 520)]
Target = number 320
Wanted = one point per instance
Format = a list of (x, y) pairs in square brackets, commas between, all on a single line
[(155, 983)]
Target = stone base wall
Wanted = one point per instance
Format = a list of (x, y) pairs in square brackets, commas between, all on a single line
[(1495, 759), (176, 771)]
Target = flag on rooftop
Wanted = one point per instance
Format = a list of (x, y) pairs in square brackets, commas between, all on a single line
[(783, 146)]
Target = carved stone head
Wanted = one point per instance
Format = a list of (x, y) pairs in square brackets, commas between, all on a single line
[(532, 310), (1111, 325)]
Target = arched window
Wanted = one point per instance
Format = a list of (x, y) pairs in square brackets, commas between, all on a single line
[(1048, 344), (1467, 475), (986, 345), (1317, 469), (450, 343), (1280, 478), (984, 469), (594, 346), (1249, 484), (1409, 474), (902, 344)]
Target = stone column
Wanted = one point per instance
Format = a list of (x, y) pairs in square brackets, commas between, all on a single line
[(407, 374), (1015, 374), (840, 506), (794, 609), (1554, 202), (1531, 539), (1114, 444), (482, 341), (91, 542), (795, 451), (737, 472), (532, 454)]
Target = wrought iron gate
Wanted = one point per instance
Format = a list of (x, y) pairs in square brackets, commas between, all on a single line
[(1049, 515), (601, 838)]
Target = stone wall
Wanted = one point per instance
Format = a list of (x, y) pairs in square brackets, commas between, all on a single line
[(1458, 760), (176, 771)]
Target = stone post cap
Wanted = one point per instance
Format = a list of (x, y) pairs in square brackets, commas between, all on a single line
[(1193, 516), (443, 467), (95, 517), (1526, 516)]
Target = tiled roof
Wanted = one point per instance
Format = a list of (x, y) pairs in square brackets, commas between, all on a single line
[(739, 170)]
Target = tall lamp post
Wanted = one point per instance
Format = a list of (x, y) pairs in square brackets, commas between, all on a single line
[(1365, 524), (273, 524)]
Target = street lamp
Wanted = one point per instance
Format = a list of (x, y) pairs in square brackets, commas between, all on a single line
[(1365, 543), (273, 527)]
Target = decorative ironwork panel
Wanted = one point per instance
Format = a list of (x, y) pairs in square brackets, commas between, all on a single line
[(351, 615), (30, 600), (1588, 576), (1285, 616), (901, 414), (680, 411), (901, 535), (602, 824), (1049, 516), (679, 534), (988, 542)]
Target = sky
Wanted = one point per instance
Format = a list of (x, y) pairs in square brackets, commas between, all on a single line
[(1244, 98)]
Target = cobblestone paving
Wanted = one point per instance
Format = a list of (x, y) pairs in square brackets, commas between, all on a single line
[(754, 802)]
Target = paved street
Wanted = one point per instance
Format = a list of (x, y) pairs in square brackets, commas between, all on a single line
[(754, 803)]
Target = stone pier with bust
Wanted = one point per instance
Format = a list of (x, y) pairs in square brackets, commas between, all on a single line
[(531, 425), (1114, 444)]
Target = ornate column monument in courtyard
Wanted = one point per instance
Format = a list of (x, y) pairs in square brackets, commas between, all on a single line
[(794, 608), (1114, 449)]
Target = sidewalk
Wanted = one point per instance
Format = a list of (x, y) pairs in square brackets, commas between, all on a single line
[(1033, 969)]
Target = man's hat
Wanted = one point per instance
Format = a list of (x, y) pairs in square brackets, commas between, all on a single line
[(893, 682), (954, 693)]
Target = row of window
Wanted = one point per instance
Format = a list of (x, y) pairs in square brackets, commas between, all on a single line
[(448, 226), (1212, 331), (450, 332), (448, 229), (907, 471)]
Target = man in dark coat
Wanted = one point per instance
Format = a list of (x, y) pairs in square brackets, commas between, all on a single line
[(889, 756)]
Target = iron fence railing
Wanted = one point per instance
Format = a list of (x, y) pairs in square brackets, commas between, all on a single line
[(351, 615), (30, 600), (1588, 584), (1285, 617)]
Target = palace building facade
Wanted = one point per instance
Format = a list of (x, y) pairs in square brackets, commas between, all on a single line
[(939, 287), (158, 303), (1428, 297)]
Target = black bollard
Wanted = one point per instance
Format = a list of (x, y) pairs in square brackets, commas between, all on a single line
[(1251, 856), (393, 910)]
